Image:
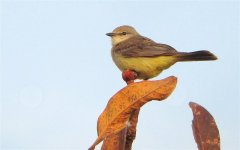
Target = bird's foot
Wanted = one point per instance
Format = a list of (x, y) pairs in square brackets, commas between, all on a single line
[(129, 76)]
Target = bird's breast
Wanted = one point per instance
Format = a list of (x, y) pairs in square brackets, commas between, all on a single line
[(146, 67)]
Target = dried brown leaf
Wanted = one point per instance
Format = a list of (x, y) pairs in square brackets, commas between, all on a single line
[(205, 129), (115, 141), (131, 132), (117, 113), (123, 139)]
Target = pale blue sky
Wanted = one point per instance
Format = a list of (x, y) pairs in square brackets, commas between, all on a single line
[(57, 74)]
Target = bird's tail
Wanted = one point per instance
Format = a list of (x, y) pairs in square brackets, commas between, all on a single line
[(196, 56)]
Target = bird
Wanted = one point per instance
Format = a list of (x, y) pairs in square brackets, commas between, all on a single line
[(132, 52)]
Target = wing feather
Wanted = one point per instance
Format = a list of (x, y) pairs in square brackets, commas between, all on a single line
[(143, 47)]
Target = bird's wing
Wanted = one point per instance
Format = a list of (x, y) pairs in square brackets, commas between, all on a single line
[(143, 47)]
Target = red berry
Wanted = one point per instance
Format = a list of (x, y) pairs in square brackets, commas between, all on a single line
[(129, 76)]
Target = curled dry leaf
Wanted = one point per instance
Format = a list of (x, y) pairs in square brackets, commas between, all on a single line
[(116, 115), (204, 127), (123, 139), (131, 132), (115, 141)]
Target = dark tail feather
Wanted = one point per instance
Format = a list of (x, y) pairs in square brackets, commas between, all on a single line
[(196, 56)]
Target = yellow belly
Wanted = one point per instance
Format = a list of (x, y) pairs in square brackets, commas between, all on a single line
[(146, 67)]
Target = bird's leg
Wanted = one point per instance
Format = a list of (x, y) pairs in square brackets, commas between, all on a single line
[(129, 76)]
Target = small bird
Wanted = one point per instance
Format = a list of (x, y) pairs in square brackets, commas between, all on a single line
[(133, 52)]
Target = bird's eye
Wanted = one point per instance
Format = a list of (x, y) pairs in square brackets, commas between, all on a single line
[(124, 33)]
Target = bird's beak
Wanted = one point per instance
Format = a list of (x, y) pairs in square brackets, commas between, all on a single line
[(110, 34)]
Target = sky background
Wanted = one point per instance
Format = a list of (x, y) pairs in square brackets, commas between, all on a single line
[(57, 73)]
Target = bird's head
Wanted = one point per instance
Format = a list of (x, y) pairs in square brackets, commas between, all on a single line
[(122, 33)]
